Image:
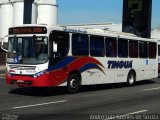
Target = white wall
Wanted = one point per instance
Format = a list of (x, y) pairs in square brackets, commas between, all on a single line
[(18, 8), (6, 19), (47, 12), (34, 13)]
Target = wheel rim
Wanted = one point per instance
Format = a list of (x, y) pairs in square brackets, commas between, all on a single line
[(73, 83), (131, 79)]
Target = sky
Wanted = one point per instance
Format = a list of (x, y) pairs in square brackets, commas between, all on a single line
[(98, 11)]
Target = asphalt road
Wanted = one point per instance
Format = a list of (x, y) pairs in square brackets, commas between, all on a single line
[(101, 102)]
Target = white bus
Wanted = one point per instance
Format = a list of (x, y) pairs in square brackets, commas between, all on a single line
[(49, 56), (158, 57)]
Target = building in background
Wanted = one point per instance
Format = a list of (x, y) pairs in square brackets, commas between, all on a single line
[(137, 17)]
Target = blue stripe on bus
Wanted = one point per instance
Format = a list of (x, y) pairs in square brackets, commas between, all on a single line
[(88, 66), (62, 63)]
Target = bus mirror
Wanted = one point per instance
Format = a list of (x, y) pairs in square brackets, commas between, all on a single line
[(54, 47), (2, 45)]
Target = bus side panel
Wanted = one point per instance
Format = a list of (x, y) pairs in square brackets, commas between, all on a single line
[(118, 69), (58, 77), (138, 66), (151, 69), (98, 76), (108, 76), (86, 66), (89, 77)]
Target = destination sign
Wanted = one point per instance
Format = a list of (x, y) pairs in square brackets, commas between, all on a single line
[(28, 30)]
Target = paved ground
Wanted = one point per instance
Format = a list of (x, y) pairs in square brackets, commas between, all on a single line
[(112, 101)]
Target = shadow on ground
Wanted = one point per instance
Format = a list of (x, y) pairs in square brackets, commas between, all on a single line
[(43, 92)]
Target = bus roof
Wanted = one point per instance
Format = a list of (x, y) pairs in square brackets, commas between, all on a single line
[(98, 32)]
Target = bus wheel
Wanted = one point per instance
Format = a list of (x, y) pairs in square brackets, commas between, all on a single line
[(131, 78), (73, 83)]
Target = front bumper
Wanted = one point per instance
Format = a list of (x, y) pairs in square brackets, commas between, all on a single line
[(41, 81)]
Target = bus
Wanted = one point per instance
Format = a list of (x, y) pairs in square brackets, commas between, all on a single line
[(52, 56), (158, 57)]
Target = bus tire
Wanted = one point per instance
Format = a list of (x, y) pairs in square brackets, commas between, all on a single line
[(131, 78), (73, 83)]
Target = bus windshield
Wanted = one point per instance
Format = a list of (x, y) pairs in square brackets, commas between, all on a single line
[(27, 50)]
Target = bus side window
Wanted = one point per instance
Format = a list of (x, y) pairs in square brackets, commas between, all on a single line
[(133, 49), (80, 45), (152, 50), (158, 50), (111, 47), (143, 49), (97, 46), (122, 48)]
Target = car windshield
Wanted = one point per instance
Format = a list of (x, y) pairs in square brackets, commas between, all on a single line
[(27, 50)]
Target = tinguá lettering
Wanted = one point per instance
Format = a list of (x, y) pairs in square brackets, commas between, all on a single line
[(119, 64)]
